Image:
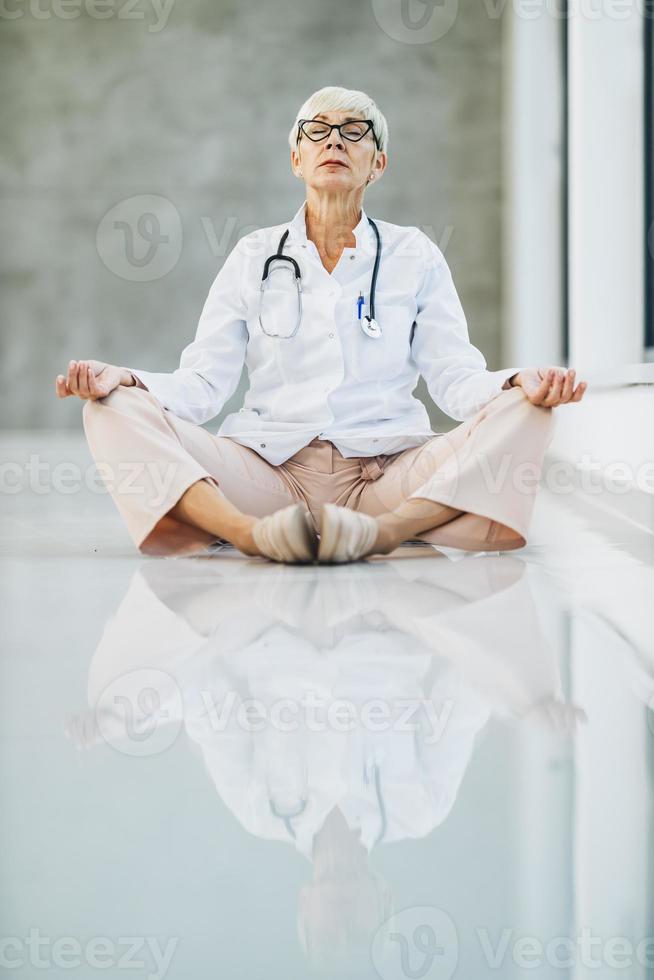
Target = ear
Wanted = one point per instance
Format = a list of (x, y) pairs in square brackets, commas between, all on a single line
[(379, 164), (295, 162)]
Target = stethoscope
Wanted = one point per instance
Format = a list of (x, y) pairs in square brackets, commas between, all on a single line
[(367, 322), (370, 772)]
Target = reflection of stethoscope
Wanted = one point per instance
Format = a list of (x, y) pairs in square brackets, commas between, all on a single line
[(368, 323), (369, 770), (290, 814)]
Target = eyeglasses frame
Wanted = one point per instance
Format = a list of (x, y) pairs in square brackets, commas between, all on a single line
[(338, 126)]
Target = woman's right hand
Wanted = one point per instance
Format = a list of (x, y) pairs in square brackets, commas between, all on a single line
[(91, 379)]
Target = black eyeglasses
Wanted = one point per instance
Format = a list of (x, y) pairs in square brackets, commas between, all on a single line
[(355, 130)]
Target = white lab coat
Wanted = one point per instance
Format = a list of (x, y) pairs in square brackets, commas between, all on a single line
[(331, 380)]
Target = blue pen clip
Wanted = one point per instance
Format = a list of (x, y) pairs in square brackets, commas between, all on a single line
[(360, 303)]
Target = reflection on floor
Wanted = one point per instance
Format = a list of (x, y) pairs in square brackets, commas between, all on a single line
[(433, 766)]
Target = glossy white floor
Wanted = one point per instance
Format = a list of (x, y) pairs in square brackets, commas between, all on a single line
[(433, 766)]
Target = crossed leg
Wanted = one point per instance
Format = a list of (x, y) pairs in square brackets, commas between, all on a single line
[(473, 488), (175, 484)]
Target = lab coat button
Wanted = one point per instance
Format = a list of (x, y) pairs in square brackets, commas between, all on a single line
[(331, 334), (263, 445), (353, 256)]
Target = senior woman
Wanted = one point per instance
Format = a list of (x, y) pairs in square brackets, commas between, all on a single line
[(331, 457)]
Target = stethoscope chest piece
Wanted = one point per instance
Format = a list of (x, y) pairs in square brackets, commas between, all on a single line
[(371, 327)]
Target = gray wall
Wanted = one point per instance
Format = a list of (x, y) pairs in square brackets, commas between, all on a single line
[(193, 105)]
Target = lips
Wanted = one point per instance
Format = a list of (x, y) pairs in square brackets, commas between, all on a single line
[(338, 163)]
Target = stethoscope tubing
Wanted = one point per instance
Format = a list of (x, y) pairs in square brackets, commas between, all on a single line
[(279, 256), (290, 815)]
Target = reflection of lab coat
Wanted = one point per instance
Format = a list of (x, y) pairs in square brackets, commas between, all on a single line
[(413, 629), (419, 781)]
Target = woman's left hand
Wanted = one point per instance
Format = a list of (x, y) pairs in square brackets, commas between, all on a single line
[(550, 386)]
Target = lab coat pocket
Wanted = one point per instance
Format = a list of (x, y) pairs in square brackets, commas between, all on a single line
[(383, 358), (302, 357)]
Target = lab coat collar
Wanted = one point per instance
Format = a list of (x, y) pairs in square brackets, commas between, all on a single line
[(298, 227)]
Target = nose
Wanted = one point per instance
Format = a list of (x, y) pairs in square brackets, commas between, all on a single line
[(335, 139)]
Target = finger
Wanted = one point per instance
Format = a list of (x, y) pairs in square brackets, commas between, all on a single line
[(565, 378), (72, 379), (554, 393), (538, 394), (557, 385), (89, 379), (83, 386), (61, 387), (568, 385), (579, 391)]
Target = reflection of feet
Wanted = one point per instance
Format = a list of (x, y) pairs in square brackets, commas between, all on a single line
[(346, 535), (287, 535)]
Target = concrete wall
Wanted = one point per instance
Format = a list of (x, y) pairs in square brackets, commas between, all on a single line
[(192, 104)]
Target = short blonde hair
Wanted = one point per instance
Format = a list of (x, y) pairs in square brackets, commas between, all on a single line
[(333, 98)]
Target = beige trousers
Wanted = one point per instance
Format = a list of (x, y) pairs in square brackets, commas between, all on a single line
[(488, 467)]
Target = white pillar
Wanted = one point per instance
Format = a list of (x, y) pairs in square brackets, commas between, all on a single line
[(533, 187), (605, 66)]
